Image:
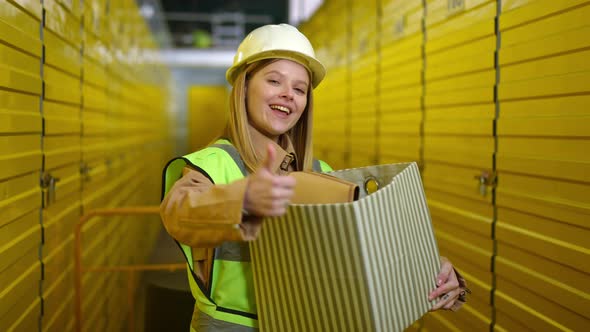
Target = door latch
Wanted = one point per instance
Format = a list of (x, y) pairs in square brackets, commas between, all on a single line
[(48, 182), (485, 179)]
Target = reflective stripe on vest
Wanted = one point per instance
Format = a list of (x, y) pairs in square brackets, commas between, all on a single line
[(230, 299)]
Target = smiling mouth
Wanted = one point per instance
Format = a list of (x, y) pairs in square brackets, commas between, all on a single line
[(281, 109)]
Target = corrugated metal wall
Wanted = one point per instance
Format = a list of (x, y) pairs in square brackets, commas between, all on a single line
[(83, 113), (491, 99)]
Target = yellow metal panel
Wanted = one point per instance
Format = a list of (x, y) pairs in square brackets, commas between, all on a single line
[(29, 319), (437, 323), (73, 6), (94, 194), (94, 15), (22, 225), (20, 290), (58, 264), (464, 120), (472, 215), (14, 262), (535, 311), (54, 295), (19, 122), (402, 75), (388, 104), (61, 150), (59, 219), (25, 27), (94, 122), (548, 279), (365, 89), (9, 271), (16, 80), (59, 20), (548, 126), (467, 96), (505, 323), (398, 148), (409, 92), (467, 319), (454, 38), (449, 66), (483, 242), (544, 237), (206, 114), (19, 196), (19, 113), (575, 214), (19, 155), (60, 86), (537, 108), (554, 44), (567, 193), (94, 97), (545, 156), (94, 73), (458, 180), (360, 107), (64, 315), (452, 246), (565, 201), (564, 64), (400, 123), (32, 7), (541, 166), (61, 54), (474, 49), (468, 81), (358, 159), (19, 61), (460, 150), (520, 12), (61, 118), (96, 48), (462, 28), (401, 51)]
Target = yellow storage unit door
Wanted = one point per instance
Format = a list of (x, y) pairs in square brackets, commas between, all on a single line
[(20, 164), (332, 97), (459, 146), (207, 114), (543, 193), (400, 82)]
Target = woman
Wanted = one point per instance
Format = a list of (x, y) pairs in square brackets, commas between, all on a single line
[(226, 189)]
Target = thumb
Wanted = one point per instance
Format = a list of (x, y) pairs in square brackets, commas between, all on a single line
[(269, 159)]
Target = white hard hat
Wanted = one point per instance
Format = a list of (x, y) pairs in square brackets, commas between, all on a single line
[(277, 41)]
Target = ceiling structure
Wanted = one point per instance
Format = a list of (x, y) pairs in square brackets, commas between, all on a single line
[(206, 33), (218, 23)]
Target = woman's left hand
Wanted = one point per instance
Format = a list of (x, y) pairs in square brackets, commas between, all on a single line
[(448, 288)]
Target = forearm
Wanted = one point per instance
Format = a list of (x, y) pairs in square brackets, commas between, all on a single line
[(200, 214)]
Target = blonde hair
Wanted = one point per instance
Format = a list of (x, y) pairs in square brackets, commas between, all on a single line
[(238, 130)]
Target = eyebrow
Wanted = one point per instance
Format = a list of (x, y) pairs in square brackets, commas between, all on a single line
[(279, 73)]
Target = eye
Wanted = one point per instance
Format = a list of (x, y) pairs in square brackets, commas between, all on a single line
[(300, 91), (272, 81)]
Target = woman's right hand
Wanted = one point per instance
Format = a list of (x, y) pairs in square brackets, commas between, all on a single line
[(268, 194)]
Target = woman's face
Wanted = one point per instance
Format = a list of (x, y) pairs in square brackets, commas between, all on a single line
[(276, 96)]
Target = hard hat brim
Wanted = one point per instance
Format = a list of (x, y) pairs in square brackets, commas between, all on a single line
[(316, 69)]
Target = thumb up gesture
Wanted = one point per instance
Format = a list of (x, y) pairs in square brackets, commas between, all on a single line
[(268, 194)]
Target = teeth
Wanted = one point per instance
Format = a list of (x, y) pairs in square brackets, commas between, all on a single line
[(281, 108)]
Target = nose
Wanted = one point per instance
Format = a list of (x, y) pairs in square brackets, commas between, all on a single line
[(287, 92)]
